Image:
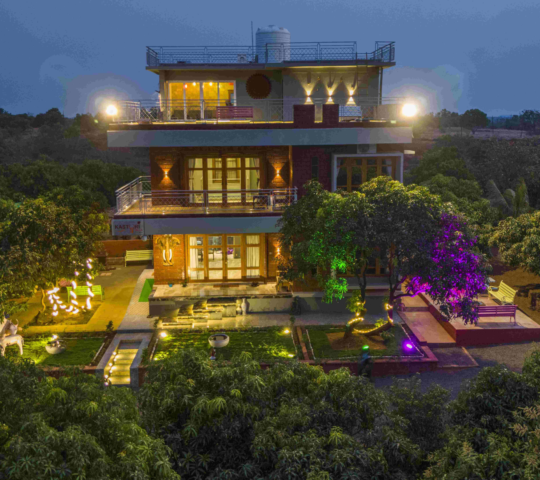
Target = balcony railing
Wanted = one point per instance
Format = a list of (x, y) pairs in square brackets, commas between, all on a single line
[(357, 108), (296, 52), (137, 198)]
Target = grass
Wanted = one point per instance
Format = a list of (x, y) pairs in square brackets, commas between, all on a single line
[(46, 318), (79, 351), (264, 344), (147, 290), (326, 341)]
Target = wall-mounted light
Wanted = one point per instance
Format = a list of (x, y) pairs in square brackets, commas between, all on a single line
[(185, 85), (211, 84), (194, 83), (112, 110), (277, 173)]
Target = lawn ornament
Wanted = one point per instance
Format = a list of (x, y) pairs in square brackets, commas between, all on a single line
[(8, 328), (244, 306), (11, 340), (218, 340)]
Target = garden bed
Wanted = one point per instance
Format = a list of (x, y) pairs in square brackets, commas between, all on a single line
[(46, 318), (80, 351), (264, 344), (329, 342)]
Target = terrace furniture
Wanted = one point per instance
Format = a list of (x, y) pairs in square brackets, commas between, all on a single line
[(83, 290), (498, 311), (234, 113), (138, 255), (503, 293), (281, 201), (260, 202)]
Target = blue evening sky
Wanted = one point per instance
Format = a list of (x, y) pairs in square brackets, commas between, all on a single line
[(455, 54)]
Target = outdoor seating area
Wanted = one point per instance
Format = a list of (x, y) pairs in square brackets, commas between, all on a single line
[(503, 293), (138, 255)]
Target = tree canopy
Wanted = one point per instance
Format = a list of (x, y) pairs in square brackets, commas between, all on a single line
[(422, 245)]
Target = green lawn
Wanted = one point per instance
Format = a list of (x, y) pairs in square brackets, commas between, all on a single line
[(263, 344), (321, 335), (79, 351), (147, 290)]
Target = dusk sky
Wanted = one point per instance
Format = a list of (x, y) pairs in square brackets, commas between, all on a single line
[(453, 54)]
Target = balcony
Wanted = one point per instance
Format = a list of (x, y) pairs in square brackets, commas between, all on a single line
[(137, 198), (307, 53), (351, 109)]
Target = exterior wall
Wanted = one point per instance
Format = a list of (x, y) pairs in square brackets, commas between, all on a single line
[(272, 246), (241, 135), (169, 274), (321, 82)]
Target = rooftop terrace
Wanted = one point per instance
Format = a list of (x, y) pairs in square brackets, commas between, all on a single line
[(285, 54)]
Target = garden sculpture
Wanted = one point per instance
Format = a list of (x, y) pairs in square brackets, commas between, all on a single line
[(8, 336), (167, 243), (244, 306)]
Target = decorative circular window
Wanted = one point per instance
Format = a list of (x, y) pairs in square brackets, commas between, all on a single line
[(258, 86)]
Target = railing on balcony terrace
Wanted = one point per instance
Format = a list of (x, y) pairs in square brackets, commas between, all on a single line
[(270, 53), (137, 198), (267, 110)]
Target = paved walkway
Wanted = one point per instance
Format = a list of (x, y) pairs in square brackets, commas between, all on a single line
[(118, 285), (136, 315)]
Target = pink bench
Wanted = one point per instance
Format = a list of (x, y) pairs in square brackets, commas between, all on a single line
[(498, 311)]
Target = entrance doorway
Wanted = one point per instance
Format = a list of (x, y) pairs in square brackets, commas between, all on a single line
[(224, 257)]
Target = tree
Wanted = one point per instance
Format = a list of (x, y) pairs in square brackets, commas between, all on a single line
[(444, 161), (41, 243), (73, 427), (518, 240), (510, 202), (235, 420), (448, 119), (51, 117), (420, 243), (473, 119)]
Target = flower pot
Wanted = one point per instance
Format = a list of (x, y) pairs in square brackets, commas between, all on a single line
[(219, 340)]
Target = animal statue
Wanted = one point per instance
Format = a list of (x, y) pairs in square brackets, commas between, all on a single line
[(7, 328), (11, 340)]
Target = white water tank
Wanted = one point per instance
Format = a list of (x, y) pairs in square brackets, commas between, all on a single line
[(273, 44)]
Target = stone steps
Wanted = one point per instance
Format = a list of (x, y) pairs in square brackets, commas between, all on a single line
[(120, 373)]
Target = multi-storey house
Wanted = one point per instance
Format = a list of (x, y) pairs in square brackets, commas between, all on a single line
[(233, 136)]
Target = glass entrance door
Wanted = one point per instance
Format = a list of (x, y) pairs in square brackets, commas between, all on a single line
[(224, 257)]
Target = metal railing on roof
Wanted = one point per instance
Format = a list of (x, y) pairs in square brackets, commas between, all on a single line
[(295, 52), (267, 110)]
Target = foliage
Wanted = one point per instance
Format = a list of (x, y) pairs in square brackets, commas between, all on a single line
[(510, 202), (289, 421), (72, 427), (441, 161), (407, 229), (76, 186), (518, 240), (473, 119), (41, 243)]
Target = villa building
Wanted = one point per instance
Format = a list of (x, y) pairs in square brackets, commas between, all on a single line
[(235, 133)]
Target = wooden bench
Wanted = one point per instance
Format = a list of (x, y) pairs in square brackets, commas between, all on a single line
[(96, 290), (234, 113), (503, 293), (138, 255), (498, 311)]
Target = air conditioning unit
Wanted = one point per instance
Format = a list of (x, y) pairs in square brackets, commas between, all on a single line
[(242, 58)]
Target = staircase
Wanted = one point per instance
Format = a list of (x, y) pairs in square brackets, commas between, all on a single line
[(207, 312), (118, 368)]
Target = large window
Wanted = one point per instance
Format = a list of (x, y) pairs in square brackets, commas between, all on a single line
[(228, 175), (196, 100), (224, 257), (353, 171)]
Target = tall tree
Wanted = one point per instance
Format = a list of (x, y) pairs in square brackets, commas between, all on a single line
[(474, 119), (41, 243)]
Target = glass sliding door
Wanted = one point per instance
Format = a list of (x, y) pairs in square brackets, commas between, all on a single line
[(353, 172), (224, 257), (197, 100)]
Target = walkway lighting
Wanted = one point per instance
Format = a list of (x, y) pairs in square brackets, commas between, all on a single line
[(409, 110), (163, 334), (112, 110)]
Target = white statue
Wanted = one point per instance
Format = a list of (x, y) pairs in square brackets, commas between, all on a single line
[(8, 336), (11, 340), (244, 306)]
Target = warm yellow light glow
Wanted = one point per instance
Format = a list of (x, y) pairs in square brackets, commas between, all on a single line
[(211, 84), (90, 293), (88, 304), (73, 284), (351, 92), (286, 331), (112, 110), (409, 110), (76, 311), (54, 337), (73, 294), (194, 84), (185, 85), (76, 273), (62, 307), (291, 355), (163, 334), (55, 313)]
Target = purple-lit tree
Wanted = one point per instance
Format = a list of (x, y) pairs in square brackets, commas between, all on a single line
[(424, 247)]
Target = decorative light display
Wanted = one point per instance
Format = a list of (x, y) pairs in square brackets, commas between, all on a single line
[(73, 307)]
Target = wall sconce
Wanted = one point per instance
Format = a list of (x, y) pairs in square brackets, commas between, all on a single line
[(167, 173), (277, 173)]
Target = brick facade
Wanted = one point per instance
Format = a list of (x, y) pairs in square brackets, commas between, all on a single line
[(164, 274)]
